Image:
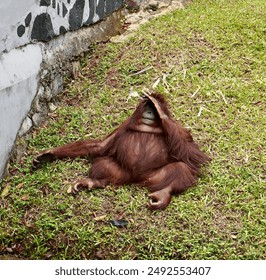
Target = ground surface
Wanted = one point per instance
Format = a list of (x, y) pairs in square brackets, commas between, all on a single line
[(209, 62)]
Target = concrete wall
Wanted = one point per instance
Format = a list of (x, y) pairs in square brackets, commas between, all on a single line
[(36, 49), (22, 22)]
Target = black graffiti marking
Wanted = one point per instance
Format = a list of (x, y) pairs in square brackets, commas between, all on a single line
[(91, 15), (21, 30), (100, 9), (64, 8), (62, 30), (76, 15), (28, 20), (45, 3), (42, 28), (112, 6)]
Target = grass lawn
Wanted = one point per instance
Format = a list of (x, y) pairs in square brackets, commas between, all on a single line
[(209, 61)]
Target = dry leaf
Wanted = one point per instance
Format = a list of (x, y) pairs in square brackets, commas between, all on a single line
[(69, 190), (100, 218), (25, 197), (19, 185), (5, 191)]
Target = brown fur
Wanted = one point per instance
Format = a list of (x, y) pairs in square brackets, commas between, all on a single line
[(165, 159)]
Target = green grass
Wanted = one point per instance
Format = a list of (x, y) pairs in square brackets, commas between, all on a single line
[(210, 58)]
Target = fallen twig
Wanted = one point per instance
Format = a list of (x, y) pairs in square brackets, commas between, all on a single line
[(195, 92), (167, 85), (184, 74), (200, 111), (141, 71), (156, 83), (225, 101)]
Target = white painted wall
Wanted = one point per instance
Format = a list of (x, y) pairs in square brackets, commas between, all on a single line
[(16, 11), (12, 12), (17, 90)]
